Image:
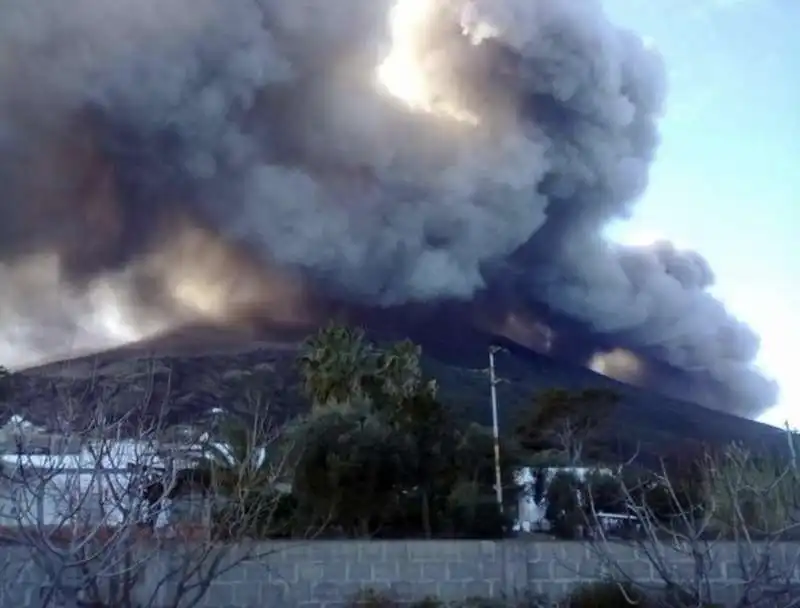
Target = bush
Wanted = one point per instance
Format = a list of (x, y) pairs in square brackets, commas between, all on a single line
[(479, 518), (563, 511), (375, 599), (606, 595), (529, 601), (605, 492)]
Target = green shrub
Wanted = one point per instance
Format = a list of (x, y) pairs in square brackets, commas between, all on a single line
[(606, 595), (528, 600), (563, 511), (592, 595), (370, 598)]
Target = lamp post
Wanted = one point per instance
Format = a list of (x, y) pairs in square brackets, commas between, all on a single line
[(495, 427)]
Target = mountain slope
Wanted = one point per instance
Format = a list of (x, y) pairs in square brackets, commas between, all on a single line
[(200, 369)]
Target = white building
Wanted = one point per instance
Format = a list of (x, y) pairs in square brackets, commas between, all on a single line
[(98, 484), (531, 514), (48, 480)]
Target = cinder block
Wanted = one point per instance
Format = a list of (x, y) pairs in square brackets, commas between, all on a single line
[(451, 591), (274, 594), (374, 551), (638, 570), (479, 589), (385, 571), (360, 572), (331, 591), (248, 594), (433, 571), (541, 570), (463, 571), (219, 594)]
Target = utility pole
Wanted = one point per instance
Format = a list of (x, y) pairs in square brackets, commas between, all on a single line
[(498, 479)]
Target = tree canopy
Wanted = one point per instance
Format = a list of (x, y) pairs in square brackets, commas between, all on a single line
[(381, 454)]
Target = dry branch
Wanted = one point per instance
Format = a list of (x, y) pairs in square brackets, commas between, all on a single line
[(727, 539), (101, 515)]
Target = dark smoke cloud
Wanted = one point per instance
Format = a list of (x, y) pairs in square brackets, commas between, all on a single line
[(208, 158)]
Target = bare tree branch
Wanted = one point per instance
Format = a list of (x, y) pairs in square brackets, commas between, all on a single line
[(102, 516), (724, 541)]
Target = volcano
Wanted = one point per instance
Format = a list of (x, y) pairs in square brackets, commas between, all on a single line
[(190, 370)]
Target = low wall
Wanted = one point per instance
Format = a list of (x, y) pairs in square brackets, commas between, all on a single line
[(324, 574)]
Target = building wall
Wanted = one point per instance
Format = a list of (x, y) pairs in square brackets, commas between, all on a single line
[(323, 574)]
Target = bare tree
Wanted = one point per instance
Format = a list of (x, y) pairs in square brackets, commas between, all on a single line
[(100, 518), (727, 536)]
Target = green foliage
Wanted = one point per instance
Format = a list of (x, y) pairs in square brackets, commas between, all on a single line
[(381, 455), (683, 496), (564, 512), (606, 595), (237, 468), (335, 364), (349, 470), (605, 492), (758, 494), (5, 384), (592, 595), (376, 599), (339, 366), (561, 422), (364, 473), (539, 485), (237, 461)]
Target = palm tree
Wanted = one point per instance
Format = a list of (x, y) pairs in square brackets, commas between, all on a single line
[(398, 374), (339, 366), (335, 364)]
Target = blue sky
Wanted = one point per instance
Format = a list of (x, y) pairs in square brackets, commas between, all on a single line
[(726, 181)]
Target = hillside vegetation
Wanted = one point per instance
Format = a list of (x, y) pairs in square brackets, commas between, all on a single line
[(191, 384)]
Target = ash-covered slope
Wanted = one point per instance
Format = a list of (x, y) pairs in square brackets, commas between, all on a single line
[(187, 382)]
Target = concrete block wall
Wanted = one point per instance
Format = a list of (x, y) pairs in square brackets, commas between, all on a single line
[(324, 574)]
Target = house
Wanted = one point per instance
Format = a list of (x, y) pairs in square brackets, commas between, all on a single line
[(531, 513), (52, 480)]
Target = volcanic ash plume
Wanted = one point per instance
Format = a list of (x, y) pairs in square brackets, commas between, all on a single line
[(205, 158)]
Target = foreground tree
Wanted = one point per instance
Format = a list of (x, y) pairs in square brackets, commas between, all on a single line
[(242, 471), (748, 509), (349, 471), (564, 510), (336, 364), (561, 425), (339, 366), (97, 521), (381, 453)]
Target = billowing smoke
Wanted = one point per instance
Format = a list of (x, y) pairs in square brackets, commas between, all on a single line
[(177, 159)]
